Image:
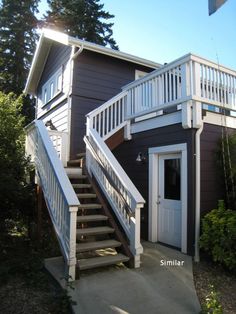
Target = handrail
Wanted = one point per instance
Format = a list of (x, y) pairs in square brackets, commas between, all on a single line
[(110, 117), (189, 77), (120, 191), (59, 195), (117, 170)]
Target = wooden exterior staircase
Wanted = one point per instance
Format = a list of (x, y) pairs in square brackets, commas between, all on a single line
[(98, 239)]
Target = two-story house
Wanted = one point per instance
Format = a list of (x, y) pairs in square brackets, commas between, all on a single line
[(149, 132)]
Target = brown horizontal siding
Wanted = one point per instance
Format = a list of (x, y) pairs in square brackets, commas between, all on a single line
[(127, 152), (212, 185), (81, 106), (100, 76), (58, 56), (96, 79)]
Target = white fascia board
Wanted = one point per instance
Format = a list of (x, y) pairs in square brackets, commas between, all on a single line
[(114, 53), (39, 60), (52, 35)]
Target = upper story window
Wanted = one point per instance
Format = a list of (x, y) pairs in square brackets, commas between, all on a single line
[(139, 74), (52, 87)]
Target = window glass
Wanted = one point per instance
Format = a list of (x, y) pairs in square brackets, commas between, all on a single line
[(45, 95), (51, 90), (139, 74), (172, 179), (52, 86), (59, 82)]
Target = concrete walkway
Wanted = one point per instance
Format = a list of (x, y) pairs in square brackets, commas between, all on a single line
[(151, 289)]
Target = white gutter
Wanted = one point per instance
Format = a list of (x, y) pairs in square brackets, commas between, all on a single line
[(197, 192)]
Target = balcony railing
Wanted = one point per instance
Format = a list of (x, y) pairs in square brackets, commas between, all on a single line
[(189, 77)]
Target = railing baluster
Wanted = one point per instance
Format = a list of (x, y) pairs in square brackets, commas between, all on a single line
[(57, 189)]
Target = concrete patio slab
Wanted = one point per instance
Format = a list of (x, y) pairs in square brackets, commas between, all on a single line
[(163, 284)]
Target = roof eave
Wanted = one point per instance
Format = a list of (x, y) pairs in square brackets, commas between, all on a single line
[(43, 47), (113, 53), (38, 63)]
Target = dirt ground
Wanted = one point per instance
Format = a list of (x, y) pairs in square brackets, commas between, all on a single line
[(205, 274), (25, 286)]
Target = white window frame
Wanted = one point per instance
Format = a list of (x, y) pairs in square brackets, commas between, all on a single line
[(154, 153), (139, 74), (52, 87)]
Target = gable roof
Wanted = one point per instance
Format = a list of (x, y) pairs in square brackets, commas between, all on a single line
[(48, 36)]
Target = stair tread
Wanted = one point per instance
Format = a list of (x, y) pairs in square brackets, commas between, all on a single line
[(90, 206), (74, 160), (101, 261), (87, 218), (94, 231), (90, 246), (81, 185), (86, 195), (76, 175), (81, 155)]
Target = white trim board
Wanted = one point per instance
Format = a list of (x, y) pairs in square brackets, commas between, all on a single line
[(154, 153), (219, 119), (157, 122)]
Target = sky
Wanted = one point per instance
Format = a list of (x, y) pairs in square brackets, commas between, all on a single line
[(164, 30)]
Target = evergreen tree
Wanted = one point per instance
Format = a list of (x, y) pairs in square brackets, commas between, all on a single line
[(84, 19), (18, 39)]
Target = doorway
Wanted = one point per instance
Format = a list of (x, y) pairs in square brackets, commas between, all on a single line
[(168, 195)]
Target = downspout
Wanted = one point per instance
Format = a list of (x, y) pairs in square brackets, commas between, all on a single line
[(71, 60), (197, 192)]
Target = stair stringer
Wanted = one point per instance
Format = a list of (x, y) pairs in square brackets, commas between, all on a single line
[(106, 209)]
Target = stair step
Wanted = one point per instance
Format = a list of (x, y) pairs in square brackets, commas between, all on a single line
[(76, 175), (94, 231), (86, 195), (81, 186), (101, 261), (90, 206), (91, 246), (73, 163), (89, 218), (70, 171), (81, 155)]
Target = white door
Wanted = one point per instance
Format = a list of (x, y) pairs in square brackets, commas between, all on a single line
[(169, 199)]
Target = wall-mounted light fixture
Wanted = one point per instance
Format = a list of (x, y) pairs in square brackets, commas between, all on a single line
[(50, 125), (141, 159)]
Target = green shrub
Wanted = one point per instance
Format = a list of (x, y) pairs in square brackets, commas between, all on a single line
[(219, 235), (212, 304), (16, 195)]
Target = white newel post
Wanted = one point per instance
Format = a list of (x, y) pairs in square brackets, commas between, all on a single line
[(196, 76), (64, 148), (88, 124), (128, 112), (185, 80), (127, 131), (135, 245), (128, 106), (72, 243)]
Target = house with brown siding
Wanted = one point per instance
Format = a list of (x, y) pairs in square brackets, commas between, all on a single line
[(124, 148)]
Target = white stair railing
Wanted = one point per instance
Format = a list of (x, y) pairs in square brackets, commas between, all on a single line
[(60, 143), (59, 195), (110, 117), (123, 196)]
